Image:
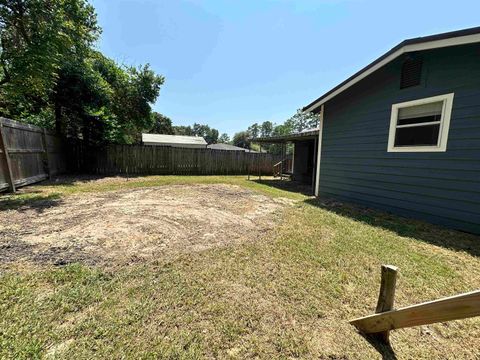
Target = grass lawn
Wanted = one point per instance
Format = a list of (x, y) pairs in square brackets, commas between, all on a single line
[(289, 294)]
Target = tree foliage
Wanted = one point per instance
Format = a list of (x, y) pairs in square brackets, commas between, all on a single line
[(242, 139), (51, 75), (266, 129), (299, 122), (38, 35), (224, 139), (302, 121), (209, 134), (161, 124), (254, 130)]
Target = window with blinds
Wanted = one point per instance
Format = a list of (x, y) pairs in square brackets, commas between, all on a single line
[(420, 125)]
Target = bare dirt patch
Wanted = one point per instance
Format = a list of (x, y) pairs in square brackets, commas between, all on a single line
[(135, 225)]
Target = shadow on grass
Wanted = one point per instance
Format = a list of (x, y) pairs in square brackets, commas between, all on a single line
[(29, 201), (288, 185), (433, 234), (16, 250), (383, 349), (74, 179)]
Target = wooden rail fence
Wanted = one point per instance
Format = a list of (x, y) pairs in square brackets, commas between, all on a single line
[(450, 308), (28, 154), (167, 160)]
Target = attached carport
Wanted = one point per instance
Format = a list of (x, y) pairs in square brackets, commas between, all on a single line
[(304, 161)]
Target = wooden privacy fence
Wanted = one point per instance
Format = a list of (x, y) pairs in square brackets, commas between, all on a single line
[(167, 160), (28, 154), (450, 308)]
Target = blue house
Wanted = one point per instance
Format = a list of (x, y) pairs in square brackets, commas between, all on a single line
[(403, 133)]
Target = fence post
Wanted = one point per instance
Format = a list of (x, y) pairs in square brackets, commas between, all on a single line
[(386, 297), (171, 160), (45, 146), (247, 155), (3, 146), (260, 164)]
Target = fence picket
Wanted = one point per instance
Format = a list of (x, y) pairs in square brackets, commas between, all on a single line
[(29, 154), (163, 160)]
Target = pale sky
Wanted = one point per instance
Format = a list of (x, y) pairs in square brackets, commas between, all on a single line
[(229, 64)]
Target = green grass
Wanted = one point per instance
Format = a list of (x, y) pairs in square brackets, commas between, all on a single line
[(66, 186), (289, 295)]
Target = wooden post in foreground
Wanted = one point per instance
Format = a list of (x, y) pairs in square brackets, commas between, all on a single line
[(386, 297), (450, 308)]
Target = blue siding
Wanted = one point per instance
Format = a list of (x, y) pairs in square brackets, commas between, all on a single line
[(442, 187)]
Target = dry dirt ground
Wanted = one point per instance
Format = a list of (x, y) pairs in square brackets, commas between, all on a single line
[(120, 227)]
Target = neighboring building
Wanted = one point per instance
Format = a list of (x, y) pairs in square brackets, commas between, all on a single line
[(403, 133), (229, 147), (174, 140)]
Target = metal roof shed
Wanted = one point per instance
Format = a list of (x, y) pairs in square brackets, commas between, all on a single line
[(174, 140)]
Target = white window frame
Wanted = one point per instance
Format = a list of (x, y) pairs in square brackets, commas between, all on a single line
[(444, 124)]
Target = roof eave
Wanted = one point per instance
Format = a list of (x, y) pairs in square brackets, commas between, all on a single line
[(461, 37), (312, 134)]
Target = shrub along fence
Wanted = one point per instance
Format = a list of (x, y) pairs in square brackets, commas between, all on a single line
[(28, 154), (166, 160)]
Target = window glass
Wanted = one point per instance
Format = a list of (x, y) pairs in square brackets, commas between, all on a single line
[(417, 136), (419, 125)]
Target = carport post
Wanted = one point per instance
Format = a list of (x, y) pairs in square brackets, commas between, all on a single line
[(282, 152), (319, 150), (314, 170)]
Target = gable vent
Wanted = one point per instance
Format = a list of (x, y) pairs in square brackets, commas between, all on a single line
[(411, 72)]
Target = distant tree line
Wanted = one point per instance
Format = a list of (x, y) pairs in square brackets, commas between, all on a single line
[(52, 75), (299, 122), (163, 125)]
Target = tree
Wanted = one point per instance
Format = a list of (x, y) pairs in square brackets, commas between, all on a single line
[(37, 37), (134, 91), (161, 124), (183, 130), (242, 139), (98, 100), (51, 75), (283, 129), (224, 138), (210, 135), (254, 130), (266, 129), (77, 100), (303, 121)]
